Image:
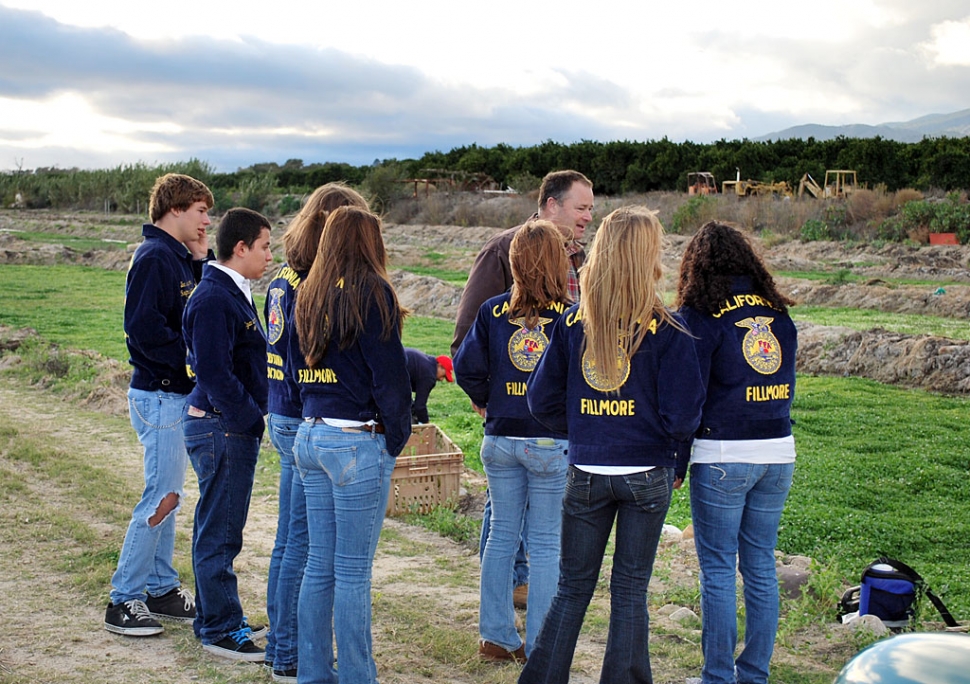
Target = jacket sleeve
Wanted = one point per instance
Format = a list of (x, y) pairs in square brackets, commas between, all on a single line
[(390, 385), (490, 276), (681, 391), (472, 361), (706, 341), (547, 384)]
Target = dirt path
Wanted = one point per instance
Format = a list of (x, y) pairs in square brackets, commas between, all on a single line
[(425, 586)]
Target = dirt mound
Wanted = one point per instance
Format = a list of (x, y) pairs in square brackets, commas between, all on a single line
[(426, 296), (922, 361), (952, 302), (13, 250)]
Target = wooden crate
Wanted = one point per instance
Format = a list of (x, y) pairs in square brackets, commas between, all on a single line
[(427, 473)]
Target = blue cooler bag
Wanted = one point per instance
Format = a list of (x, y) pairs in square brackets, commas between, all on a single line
[(887, 593), (891, 590)]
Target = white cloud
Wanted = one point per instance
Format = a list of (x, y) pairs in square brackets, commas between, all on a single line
[(69, 120), (950, 45)]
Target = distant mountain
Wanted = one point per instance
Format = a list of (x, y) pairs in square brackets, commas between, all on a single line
[(954, 125)]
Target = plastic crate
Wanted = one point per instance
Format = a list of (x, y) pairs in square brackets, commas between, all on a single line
[(427, 473)]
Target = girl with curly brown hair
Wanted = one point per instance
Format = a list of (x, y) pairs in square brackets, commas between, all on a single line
[(744, 453)]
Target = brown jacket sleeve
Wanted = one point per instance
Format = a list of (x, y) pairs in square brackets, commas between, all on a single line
[(491, 275)]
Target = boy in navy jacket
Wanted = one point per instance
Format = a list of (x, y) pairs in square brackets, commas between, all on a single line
[(224, 423), (162, 274)]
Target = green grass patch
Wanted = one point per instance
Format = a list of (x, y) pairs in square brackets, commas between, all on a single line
[(843, 275), (458, 278), (882, 470), (866, 319), (76, 306)]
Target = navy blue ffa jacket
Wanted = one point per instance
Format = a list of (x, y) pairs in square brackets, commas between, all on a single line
[(648, 421), (226, 349), (423, 372), (366, 381), (494, 362), (159, 281), (284, 395), (747, 360)]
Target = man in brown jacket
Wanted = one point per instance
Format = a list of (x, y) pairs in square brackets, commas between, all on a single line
[(566, 199)]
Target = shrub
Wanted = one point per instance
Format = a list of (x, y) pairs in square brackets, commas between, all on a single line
[(694, 213), (256, 191), (289, 205), (906, 195), (383, 187), (814, 230), (862, 205)]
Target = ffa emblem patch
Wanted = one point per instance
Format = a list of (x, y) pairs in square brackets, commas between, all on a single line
[(759, 346), (597, 380), (526, 346), (274, 321)]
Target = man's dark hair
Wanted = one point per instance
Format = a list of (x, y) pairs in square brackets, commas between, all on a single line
[(238, 224), (557, 183)]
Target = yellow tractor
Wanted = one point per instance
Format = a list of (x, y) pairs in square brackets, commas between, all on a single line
[(838, 183), (751, 188)]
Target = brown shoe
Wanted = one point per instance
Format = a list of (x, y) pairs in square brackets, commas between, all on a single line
[(520, 597), (496, 654)]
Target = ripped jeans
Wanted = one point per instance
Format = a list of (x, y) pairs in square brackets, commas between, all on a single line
[(145, 562)]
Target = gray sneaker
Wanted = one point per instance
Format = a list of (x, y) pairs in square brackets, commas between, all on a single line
[(131, 618)]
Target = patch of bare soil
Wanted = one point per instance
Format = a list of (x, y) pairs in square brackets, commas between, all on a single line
[(932, 363)]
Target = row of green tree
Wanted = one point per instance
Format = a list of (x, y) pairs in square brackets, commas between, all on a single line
[(614, 167)]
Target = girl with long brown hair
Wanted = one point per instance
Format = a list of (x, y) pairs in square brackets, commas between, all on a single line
[(300, 244), (524, 461), (620, 377), (356, 399)]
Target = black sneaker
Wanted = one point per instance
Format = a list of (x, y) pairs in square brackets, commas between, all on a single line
[(285, 675), (255, 631), (236, 646), (131, 618), (177, 604)]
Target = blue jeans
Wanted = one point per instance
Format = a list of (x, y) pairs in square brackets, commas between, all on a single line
[(145, 563), (346, 477), (526, 479), (736, 508), (638, 503), (225, 463), (520, 572), (289, 553)]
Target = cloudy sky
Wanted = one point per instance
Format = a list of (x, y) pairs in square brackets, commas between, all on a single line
[(99, 83)]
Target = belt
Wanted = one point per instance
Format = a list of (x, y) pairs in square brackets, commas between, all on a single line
[(373, 428)]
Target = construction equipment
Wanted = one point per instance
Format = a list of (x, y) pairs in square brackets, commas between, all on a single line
[(838, 183), (751, 188), (701, 183)]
